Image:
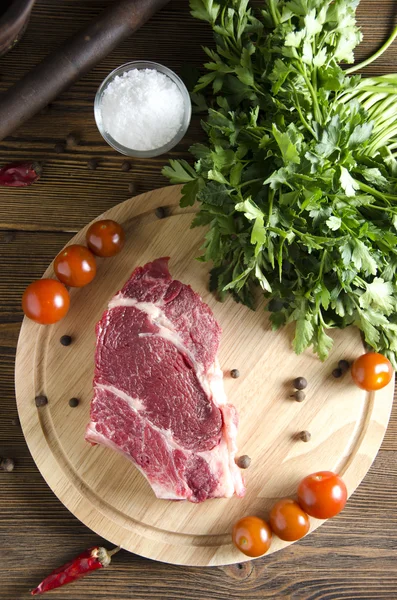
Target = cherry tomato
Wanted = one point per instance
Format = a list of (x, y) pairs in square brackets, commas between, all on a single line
[(371, 371), (105, 238), (322, 495), (75, 266), (252, 536), (288, 521), (45, 301)]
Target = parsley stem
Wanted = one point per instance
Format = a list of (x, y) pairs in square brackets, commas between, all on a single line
[(274, 12), (270, 198), (377, 54), (366, 188), (302, 118), (249, 182), (316, 108)]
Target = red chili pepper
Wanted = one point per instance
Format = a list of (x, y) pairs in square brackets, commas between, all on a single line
[(90, 560), (20, 174)]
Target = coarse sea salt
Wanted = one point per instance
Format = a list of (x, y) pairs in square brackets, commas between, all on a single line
[(142, 109)]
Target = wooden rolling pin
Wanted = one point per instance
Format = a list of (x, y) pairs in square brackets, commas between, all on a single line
[(72, 60)]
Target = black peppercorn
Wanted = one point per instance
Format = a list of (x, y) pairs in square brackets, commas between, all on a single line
[(300, 383), (41, 401), (305, 436), (235, 373), (15, 422), (160, 212), (126, 166), (337, 373), (73, 402), (66, 340), (344, 365)]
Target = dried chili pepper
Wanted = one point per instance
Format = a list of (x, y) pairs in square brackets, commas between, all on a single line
[(20, 174), (88, 561)]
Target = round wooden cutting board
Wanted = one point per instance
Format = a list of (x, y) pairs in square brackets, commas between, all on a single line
[(105, 491)]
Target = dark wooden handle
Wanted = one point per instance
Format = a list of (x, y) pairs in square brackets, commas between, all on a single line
[(72, 60)]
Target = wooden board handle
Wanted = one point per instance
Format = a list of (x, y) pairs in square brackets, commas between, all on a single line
[(72, 60)]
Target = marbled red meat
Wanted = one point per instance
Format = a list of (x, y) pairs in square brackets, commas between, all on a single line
[(158, 390)]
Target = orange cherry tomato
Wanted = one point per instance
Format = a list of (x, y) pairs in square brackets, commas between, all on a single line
[(75, 266), (252, 536), (322, 495), (105, 238), (371, 371), (288, 521), (45, 301)]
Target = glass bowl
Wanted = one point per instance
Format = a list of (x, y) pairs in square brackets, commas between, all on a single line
[(131, 151)]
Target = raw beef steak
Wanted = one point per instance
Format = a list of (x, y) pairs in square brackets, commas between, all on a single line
[(158, 390)]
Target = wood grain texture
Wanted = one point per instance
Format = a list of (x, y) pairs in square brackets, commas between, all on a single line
[(352, 557), (109, 495)]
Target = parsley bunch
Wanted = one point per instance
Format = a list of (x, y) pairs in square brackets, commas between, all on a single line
[(297, 183)]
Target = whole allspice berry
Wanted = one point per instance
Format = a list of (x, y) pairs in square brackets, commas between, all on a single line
[(300, 383), (299, 395), (305, 436), (92, 164), (7, 464), (243, 462), (41, 400), (73, 139)]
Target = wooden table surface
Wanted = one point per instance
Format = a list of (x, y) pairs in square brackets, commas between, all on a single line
[(353, 556)]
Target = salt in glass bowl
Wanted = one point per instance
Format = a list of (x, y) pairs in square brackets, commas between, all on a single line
[(131, 151)]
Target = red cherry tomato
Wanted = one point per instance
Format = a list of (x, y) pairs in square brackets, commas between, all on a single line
[(322, 495), (288, 521), (75, 266), (45, 301), (105, 238), (252, 536), (372, 371)]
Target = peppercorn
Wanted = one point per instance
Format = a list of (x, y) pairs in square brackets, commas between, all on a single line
[(299, 395), (235, 373), (73, 139), (300, 383), (337, 373), (73, 402), (132, 187), (59, 148), (41, 401), (160, 212), (92, 164), (7, 464), (66, 340), (305, 436), (243, 462), (344, 365), (15, 422), (126, 166)]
